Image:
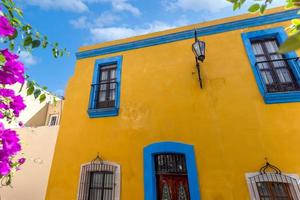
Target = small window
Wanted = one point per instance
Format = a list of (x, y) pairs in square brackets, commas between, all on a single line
[(171, 176), (105, 88), (53, 120), (99, 181)]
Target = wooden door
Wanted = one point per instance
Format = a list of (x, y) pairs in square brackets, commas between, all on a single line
[(173, 187)]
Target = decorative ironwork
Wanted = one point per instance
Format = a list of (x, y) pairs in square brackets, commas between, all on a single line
[(97, 160), (170, 164), (166, 192), (181, 192), (271, 184), (269, 166)]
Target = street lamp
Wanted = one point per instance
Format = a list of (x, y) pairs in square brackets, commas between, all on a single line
[(199, 51)]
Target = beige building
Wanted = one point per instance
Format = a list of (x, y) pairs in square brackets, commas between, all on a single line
[(38, 139)]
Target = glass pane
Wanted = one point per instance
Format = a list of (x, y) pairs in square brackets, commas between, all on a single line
[(104, 75), (257, 48), (277, 63), (262, 65), (267, 77), (283, 75), (113, 74), (181, 192), (263, 190), (112, 95), (271, 46), (97, 179), (102, 96), (95, 194)]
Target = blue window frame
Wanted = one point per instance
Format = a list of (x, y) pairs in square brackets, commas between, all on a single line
[(150, 151), (280, 35), (113, 110)]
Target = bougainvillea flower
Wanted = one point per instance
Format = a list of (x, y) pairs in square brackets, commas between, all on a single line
[(8, 55), (6, 29), (15, 102), (21, 161), (4, 167)]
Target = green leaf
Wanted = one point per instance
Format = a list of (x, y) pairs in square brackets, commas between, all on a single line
[(27, 41), (19, 11), (14, 35), (262, 8), (44, 43), (30, 90), (37, 93), (254, 8), (36, 43), (2, 59), (291, 44), (44, 88), (42, 98), (12, 45)]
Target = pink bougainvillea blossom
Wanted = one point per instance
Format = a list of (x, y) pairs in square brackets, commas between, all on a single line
[(12, 71), (6, 29), (9, 101), (9, 147)]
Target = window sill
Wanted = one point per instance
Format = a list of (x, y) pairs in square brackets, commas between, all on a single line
[(282, 97), (104, 112)]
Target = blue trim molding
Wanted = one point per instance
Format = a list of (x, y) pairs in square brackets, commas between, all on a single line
[(169, 147), (280, 34), (105, 112), (188, 34)]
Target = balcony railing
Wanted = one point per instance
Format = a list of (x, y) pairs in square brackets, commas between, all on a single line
[(277, 85)]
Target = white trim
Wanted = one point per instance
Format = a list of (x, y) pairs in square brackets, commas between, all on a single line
[(117, 175), (254, 192)]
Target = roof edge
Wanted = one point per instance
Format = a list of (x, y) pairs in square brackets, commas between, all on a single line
[(188, 34)]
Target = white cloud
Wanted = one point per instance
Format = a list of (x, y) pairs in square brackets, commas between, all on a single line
[(67, 5), (80, 23), (113, 33), (27, 58), (119, 5), (123, 5), (196, 5), (106, 18)]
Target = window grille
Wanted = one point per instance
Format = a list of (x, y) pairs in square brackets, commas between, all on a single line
[(53, 120), (170, 164), (273, 185), (99, 181), (273, 67)]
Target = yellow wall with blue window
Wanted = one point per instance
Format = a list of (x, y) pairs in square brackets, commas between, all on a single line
[(228, 123)]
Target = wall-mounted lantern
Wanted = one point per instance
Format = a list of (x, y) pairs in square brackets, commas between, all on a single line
[(199, 51)]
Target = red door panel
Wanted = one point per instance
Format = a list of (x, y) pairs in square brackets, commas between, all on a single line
[(173, 187)]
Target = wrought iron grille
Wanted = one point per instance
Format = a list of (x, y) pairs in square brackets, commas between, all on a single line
[(281, 78), (89, 183), (274, 68), (101, 185), (271, 184), (170, 164)]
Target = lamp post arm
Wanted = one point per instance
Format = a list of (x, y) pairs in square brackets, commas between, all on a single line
[(199, 73)]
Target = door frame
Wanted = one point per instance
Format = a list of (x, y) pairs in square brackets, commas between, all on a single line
[(150, 192)]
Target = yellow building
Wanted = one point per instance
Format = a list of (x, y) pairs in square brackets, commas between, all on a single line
[(138, 103)]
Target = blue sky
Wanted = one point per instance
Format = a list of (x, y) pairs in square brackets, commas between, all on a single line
[(74, 23)]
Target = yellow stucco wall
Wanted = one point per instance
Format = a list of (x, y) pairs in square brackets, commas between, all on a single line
[(228, 123)]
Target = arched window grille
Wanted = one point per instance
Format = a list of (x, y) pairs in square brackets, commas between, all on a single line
[(271, 184), (99, 180)]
